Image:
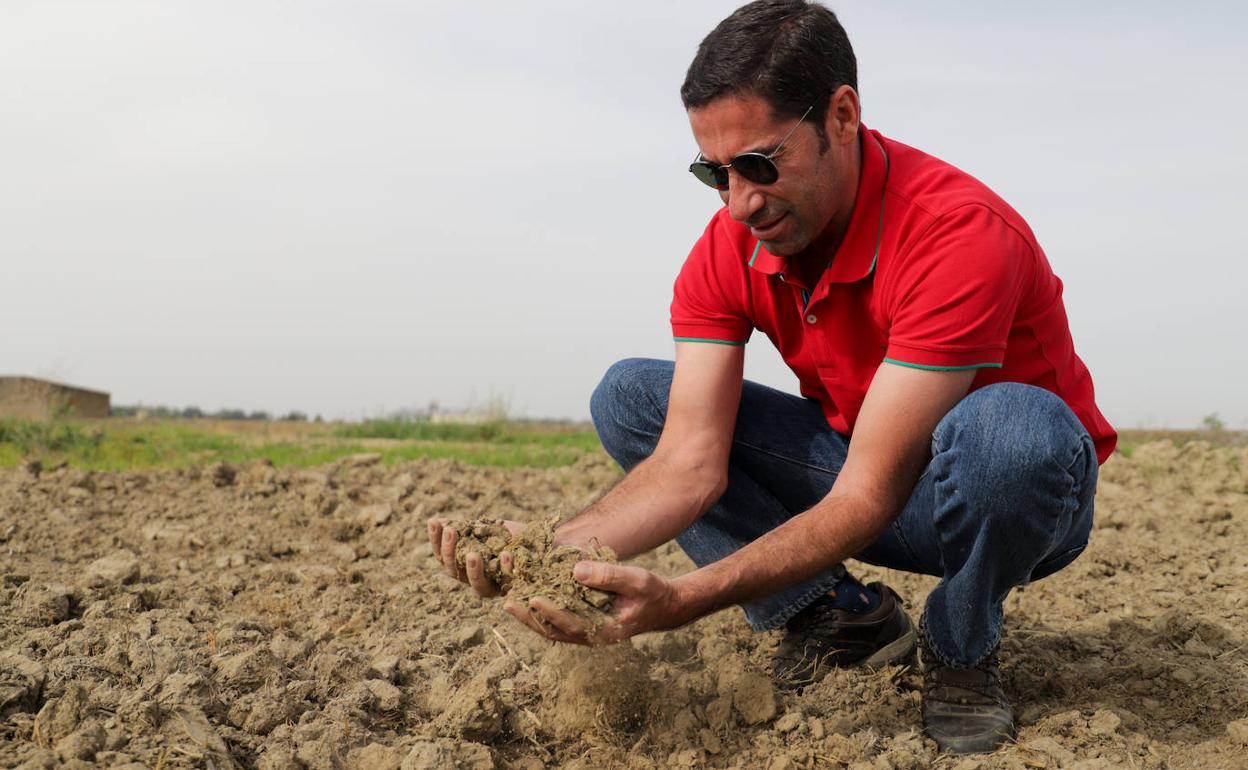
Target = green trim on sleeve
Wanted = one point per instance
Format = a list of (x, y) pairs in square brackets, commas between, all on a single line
[(701, 339), (758, 245), (930, 368)]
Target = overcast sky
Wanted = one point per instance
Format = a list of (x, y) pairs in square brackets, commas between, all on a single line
[(353, 207)]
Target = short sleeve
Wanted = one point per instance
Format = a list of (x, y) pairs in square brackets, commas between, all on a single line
[(711, 292), (957, 292)]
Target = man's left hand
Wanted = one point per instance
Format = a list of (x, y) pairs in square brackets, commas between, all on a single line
[(643, 602)]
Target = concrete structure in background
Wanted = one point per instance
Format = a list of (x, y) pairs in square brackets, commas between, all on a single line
[(29, 398)]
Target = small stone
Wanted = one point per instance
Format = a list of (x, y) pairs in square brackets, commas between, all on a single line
[(719, 714), (815, 725), (289, 649), (343, 552), (83, 743), (789, 722), (21, 683), (1049, 747), (386, 667), (374, 515), (121, 568), (1237, 731), (427, 755), (754, 697), (467, 636), (375, 756), (474, 756), (389, 697), (1104, 722), (710, 741), (363, 459), (840, 724), (278, 758), (61, 716), (222, 474)]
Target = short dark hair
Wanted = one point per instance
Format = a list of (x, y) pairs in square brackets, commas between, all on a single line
[(792, 53)]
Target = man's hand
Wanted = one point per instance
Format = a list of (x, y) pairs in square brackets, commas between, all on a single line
[(442, 540), (644, 602)]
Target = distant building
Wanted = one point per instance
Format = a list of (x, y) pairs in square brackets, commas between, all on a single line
[(34, 399)]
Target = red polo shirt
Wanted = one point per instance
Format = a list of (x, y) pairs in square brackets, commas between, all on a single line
[(935, 272)]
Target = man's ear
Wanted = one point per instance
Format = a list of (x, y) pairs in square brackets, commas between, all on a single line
[(844, 115)]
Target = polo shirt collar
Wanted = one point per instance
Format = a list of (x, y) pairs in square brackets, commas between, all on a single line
[(855, 259)]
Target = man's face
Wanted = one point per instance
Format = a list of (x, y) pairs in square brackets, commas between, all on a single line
[(811, 192)]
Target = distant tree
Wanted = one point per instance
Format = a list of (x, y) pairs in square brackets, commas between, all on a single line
[(192, 413), (1213, 423), (258, 416), (295, 417)]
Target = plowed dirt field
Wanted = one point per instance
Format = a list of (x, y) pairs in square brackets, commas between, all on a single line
[(255, 617)]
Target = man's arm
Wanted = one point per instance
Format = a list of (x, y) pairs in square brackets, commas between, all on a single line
[(687, 471), (887, 454)]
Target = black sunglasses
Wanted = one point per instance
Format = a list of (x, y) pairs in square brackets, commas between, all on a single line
[(757, 167)]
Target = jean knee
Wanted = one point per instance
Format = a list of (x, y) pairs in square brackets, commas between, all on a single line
[(1013, 432), (628, 397)]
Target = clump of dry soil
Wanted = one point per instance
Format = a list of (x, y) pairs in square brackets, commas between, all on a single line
[(255, 617), (538, 566)]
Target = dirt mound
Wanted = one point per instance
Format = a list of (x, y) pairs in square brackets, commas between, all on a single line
[(250, 616)]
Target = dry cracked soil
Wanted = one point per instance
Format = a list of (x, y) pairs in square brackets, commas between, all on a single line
[(251, 617)]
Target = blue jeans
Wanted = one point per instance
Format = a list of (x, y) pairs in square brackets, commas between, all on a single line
[(1006, 498)]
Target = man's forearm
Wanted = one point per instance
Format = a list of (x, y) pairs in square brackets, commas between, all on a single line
[(827, 534), (656, 501)]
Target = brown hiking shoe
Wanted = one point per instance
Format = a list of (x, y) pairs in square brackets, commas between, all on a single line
[(964, 709), (820, 638)]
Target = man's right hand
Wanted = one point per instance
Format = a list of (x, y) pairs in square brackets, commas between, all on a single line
[(442, 540)]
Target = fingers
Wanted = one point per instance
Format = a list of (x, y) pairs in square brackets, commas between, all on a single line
[(545, 619), (443, 540), (612, 577), (449, 538), (435, 537), (563, 621), (475, 569)]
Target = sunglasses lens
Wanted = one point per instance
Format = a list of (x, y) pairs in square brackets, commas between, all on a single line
[(709, 175), (756, 167)]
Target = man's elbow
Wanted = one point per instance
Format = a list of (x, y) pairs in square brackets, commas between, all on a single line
[(703, 476)]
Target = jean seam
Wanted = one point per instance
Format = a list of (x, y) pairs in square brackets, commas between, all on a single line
[(901, 538)]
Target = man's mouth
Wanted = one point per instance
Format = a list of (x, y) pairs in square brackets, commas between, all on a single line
[(767, 229)]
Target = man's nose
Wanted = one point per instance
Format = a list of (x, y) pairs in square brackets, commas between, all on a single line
[(743, 198)]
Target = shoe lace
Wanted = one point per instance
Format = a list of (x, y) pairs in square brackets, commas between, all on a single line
[(806, 635), (813, 622), (979, 684)]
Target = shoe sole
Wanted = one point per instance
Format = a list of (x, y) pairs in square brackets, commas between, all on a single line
[(900, 650)]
